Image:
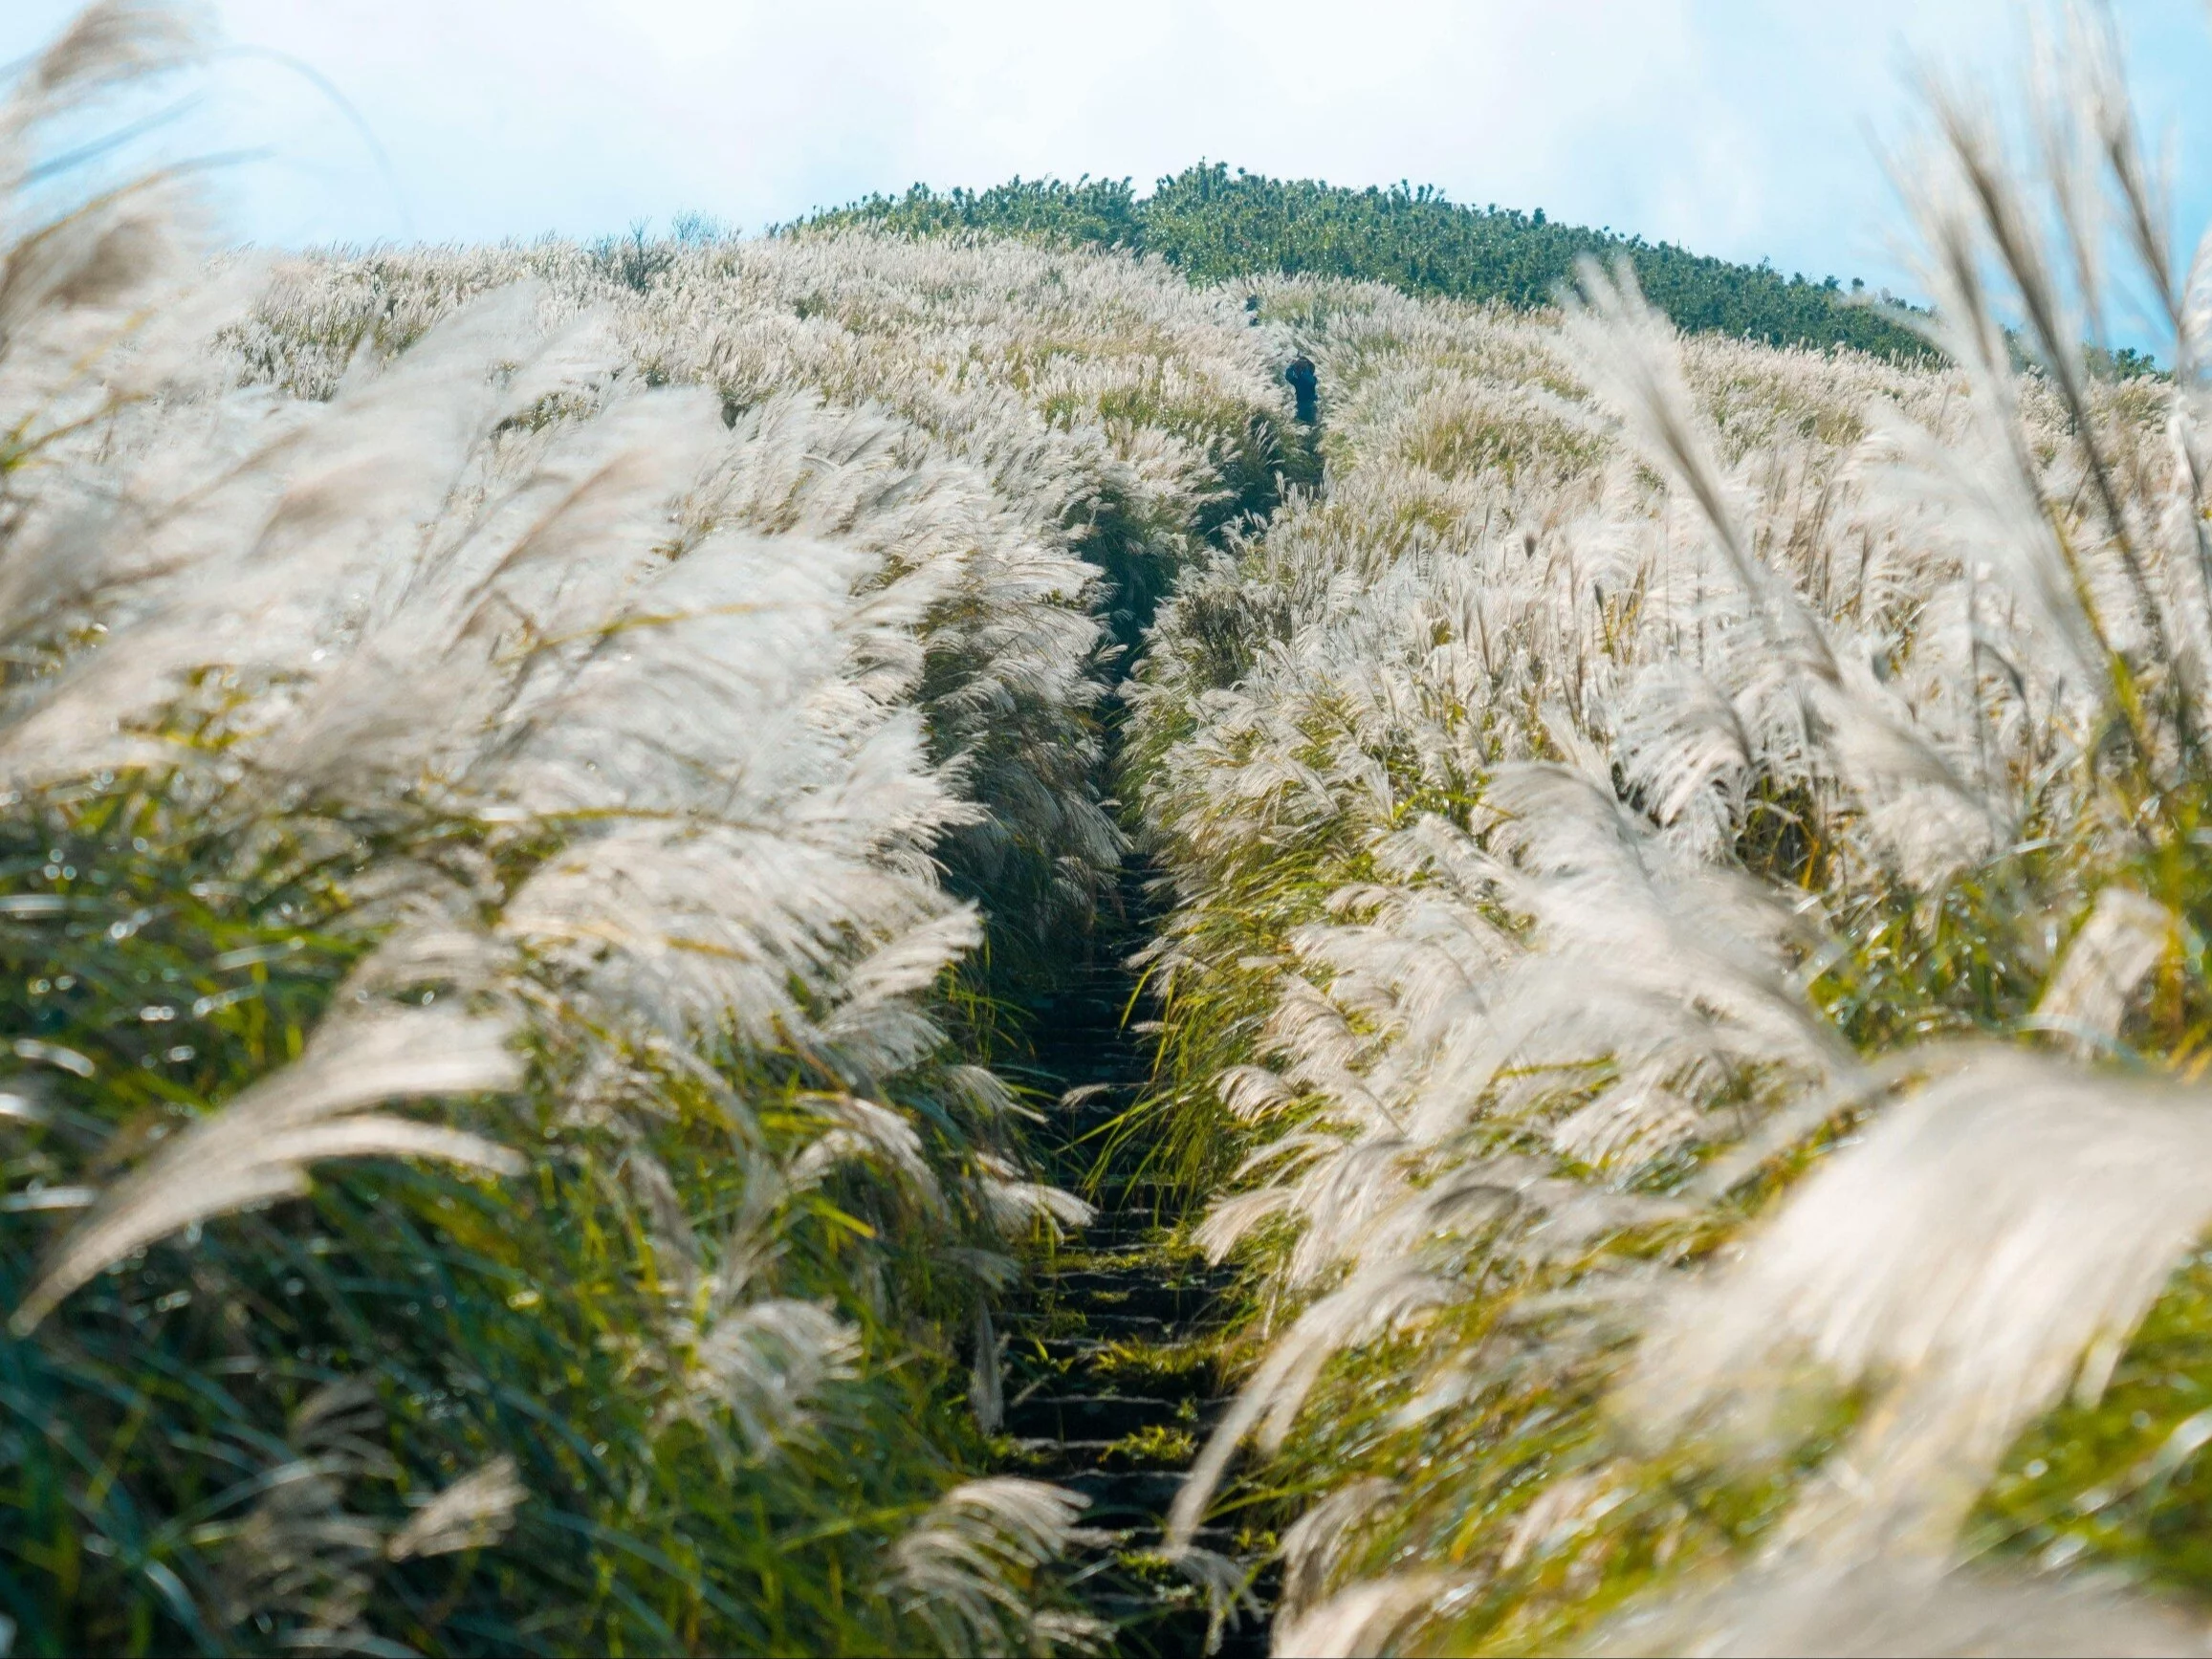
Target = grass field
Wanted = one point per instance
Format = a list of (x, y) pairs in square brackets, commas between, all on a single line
[(545, 786)]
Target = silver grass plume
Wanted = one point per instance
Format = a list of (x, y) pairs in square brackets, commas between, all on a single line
[(965, 1564), (475, 1511), (1988, 1247), (258, 1147), (1887, 1610)]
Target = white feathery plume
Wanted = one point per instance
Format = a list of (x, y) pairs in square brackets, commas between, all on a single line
[(1378, 1299), (1312, 1543), (473, 1511), (763, 1362), (258, 1147), (965, 1565), (1894, 1610), (1363, 1621), (1990, 1243), (2125, 936)]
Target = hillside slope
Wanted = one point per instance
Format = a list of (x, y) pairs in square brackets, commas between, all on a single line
[(1215, 225), (531, 783), (1686, 986)]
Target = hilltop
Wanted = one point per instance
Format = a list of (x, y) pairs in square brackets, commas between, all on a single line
[(1215, 225)]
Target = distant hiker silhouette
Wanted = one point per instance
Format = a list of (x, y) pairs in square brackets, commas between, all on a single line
[(1299, 375)]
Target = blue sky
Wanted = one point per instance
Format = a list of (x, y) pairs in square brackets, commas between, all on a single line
[(1738, 127)]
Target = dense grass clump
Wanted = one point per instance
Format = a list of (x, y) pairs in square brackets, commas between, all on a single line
[(1072, 430), (1686, 989), (508, 761), (224, 1441)]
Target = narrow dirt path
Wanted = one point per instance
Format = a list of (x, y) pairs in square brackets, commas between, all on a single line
[(1111, 1381), (1111, 1375)]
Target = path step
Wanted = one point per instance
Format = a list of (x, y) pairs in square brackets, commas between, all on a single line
[(1082, 1368), (1111, 1491), (1111, 1231), (1122, 1327), (1089, 1416), (1122, 1293), (1061, 1459)]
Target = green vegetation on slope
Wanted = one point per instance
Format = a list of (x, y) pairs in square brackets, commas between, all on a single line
[(1215, 225)]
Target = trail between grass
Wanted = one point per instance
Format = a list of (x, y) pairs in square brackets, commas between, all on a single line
[(1111, 1369), (1111, 1364)]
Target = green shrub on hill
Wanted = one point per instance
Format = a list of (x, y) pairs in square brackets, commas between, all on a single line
[(1213, 225)]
